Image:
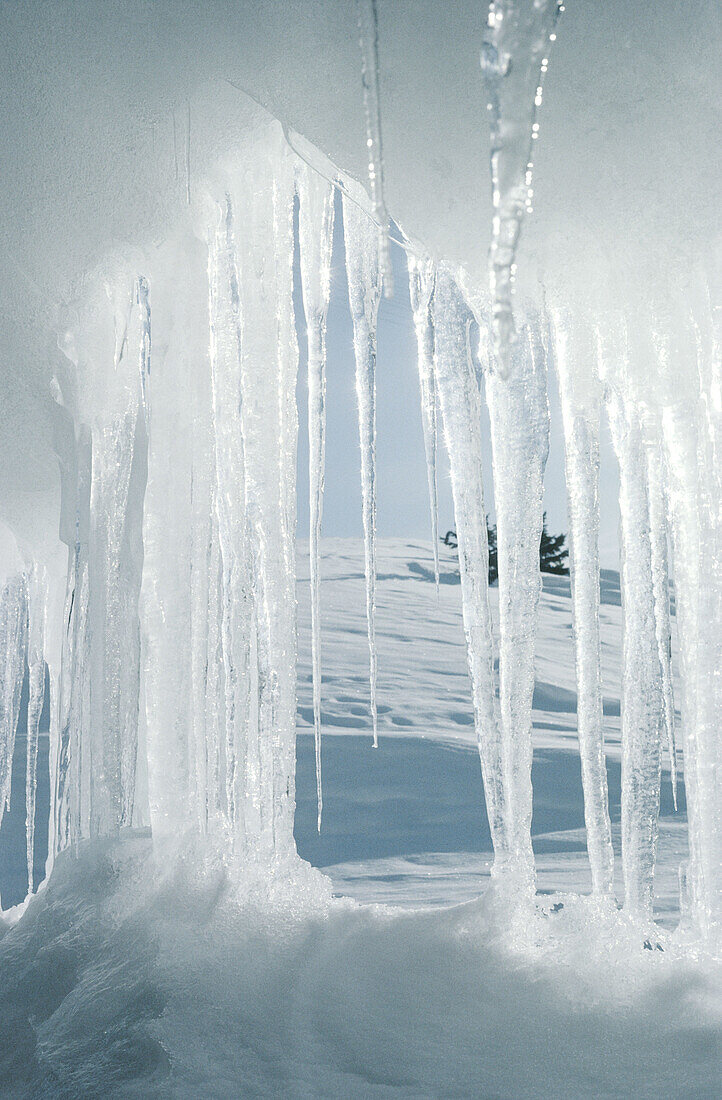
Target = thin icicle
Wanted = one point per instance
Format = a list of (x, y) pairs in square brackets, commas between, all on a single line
[(514, 60), (660, 583), (13, 642), (421, 289), (143, 301), (315, 229), (37, 603), (369, 40), (236, 605), (188, 152), (580, 394), (364, 291), (642, 702), (460, 409), (519, 419)]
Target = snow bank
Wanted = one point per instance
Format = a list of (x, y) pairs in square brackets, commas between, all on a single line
[(128, 978)]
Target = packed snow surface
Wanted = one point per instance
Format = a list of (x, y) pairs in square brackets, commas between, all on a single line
[(127, 977), (131, 976)]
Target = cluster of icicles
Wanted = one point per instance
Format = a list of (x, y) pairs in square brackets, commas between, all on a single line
[(172, 652)]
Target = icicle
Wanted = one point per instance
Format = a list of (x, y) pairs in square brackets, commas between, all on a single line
[(369, 40), (106, 345), (514, 59), (13, 643), (178, 501), (580, 395), (691, 422), (364, 288), (262, 200), (660, 584), (37, 604), (188, 152), (230, 496), (459, 402), (284, 165), (421, 289), (642, 702), (315, 228), (143, 301), (519, 417)]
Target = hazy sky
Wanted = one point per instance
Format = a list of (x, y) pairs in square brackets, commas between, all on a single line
[(403, 508)]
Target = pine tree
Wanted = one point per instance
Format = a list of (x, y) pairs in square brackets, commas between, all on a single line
[(552, 553)]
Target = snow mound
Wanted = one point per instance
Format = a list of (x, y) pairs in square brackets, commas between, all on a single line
[(125, 978)]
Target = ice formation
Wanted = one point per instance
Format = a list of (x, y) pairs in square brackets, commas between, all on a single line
[(514, 61), (315, 231), (421, 291), (368, 23), (364, 292), (580, 393), (170, 643)]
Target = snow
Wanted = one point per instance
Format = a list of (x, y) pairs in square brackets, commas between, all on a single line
[(170, 979), (411, 827)]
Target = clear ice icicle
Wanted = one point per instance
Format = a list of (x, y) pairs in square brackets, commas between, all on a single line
[(13, 642), (642, 702), (421, 289), (37, 603), (580, 394), (458, 393), (364, 291), (660, 584), (263, 195), (368, 26), (143, 302), (514, 60), (315, 230), (519, 418), (236, 580)]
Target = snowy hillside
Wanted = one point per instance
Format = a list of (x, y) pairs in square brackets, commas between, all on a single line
[(406, 824), (131, 978)]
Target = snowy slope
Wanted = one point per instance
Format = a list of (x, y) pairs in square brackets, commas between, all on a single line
[(129, 976), (405, 824)]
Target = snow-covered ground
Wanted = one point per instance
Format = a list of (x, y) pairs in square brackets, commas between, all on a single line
[(134, 976), (405, 824)]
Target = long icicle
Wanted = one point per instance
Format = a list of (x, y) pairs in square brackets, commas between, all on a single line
[(642, 704), (368, 25), (234, 641), (460, 409), (37, 603), (519, 419), (421, 289), (580, 395), (364, 292), (315, 230), (514, 61), (13, 642), (660, 582)]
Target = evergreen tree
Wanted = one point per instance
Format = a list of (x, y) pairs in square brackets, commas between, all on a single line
[(552, 553)]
